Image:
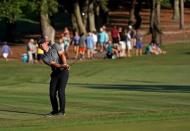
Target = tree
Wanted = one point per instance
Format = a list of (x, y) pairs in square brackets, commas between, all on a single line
[(85, 14), (176, 10), (46, 9), (137, 14), (155, 20), (11, 10), (181, 14), (91, 15), (103, 9), (100, 10), (132, 11), (77, 14)]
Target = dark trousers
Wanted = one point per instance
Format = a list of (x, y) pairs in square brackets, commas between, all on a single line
[(57, 86)]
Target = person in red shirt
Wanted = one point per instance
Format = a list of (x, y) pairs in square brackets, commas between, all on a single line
[(115, 35)]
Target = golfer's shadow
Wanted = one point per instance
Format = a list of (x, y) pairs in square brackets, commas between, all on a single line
[(188, 53), (21, 112), (144, 88)]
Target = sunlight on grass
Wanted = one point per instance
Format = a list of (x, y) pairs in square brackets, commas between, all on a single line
[(142, 93)]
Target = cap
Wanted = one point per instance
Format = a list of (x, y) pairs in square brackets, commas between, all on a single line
[(41, 40)]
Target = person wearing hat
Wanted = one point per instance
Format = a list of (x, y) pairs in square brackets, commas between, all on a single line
[(55, 58)]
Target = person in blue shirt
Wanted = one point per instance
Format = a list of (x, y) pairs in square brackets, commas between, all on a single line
[(5, 51), (102, 39), (90, 45)]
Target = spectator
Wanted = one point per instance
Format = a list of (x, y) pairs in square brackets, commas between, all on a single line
[(82, 46), (139, 44), (5, 51), (154, 49), (111, 52), (95, 39), (129, 44), (60, 42), (40, 53), (148, 49), (76, 44), (106, 35), (133, 35), (102, 39), (115, 35), (90, 45), (31, 50), (66, 31), (122, 42), (66, 41)]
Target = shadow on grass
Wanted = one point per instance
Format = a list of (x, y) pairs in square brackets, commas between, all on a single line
[(145, 88), (188, 53), (21, 112)]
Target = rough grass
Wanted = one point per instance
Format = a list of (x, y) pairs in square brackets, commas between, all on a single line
[(142, 93)]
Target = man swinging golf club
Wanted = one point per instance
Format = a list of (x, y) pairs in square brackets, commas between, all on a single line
[(55, 58)]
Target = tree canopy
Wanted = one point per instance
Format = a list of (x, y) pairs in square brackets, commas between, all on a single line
[(12, 9), (85, 17)]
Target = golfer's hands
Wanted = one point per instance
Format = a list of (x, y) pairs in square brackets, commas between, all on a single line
[(61, 66), (66, 66)]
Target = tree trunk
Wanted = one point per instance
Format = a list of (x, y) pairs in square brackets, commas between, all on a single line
[(84, 11), (181, 14), (47, 29), (176, 10), (77, 13), (97, 15), (74, 22), (154, 20), (132, 12), (91, 16), (137, 14), (158, 23)]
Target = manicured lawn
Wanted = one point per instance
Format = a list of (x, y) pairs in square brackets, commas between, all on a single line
[(148, 93)]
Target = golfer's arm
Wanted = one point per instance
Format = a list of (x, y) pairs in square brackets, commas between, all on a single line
[(53, 64), (57, 65), (63, 57)]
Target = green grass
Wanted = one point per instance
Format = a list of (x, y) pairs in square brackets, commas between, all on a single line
[(148, 93)]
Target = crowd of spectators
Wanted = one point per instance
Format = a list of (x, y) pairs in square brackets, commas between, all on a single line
[(112, 43)]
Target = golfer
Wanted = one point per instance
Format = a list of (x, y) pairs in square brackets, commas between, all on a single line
[(55, 58)]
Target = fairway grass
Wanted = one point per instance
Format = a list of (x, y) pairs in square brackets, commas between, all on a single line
[(148, 93)]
